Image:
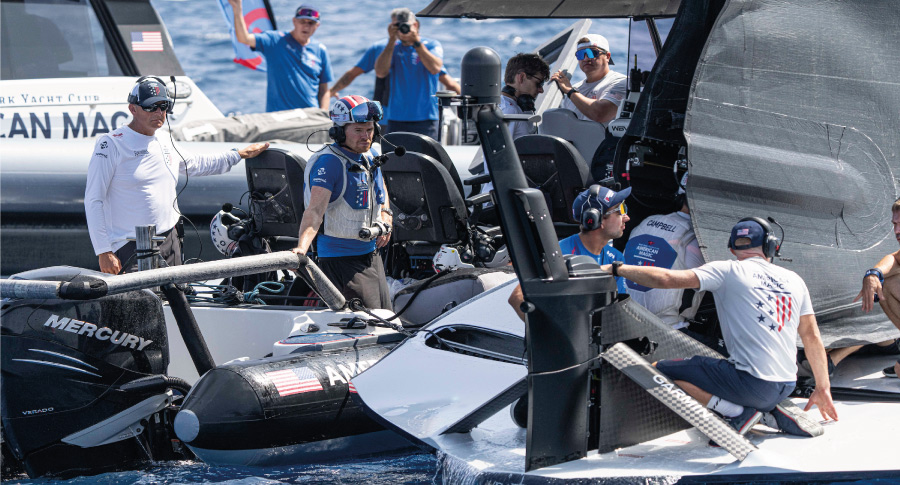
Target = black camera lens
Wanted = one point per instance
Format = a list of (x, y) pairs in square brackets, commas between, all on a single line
[(403, 28)]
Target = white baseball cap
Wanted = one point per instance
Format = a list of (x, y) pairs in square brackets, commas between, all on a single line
[(597, 40)]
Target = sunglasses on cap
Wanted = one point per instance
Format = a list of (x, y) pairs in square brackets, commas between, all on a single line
[(163, 105), (365, 112), (620, 209), (589, 53), (307, 13)]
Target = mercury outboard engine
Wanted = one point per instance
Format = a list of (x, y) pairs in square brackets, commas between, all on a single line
[(83, 382)]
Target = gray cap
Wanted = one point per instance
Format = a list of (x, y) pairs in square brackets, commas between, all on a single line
[(403, 14)]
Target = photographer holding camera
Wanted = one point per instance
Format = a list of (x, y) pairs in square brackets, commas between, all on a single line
[(414, 65), (344, 193)]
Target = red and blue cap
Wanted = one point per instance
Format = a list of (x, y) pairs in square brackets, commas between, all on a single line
[(307, 12), (605, 200)]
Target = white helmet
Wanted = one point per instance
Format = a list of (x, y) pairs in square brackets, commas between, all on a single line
[(218, 231)]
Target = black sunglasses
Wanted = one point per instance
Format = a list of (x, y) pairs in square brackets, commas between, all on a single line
[(540, 82), (163, 106)]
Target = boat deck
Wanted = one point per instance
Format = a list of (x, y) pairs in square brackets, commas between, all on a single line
[(862, 441)]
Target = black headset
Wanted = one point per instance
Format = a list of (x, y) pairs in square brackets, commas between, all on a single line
[(525, 101), (338, 134), (592, 218), (771, 244), (133, 99)]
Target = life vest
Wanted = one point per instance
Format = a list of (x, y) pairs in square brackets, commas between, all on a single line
[(662, 241), (341, 219)]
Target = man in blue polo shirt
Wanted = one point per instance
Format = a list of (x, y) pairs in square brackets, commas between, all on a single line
[(298, 70), (344, 193), (414, 65)]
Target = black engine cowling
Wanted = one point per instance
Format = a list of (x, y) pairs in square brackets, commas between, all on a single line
[(63, 365)]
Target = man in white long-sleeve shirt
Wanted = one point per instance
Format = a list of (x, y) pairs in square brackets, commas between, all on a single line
[(132, 178)]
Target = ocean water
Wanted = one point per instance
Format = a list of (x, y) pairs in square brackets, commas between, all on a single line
[(201, 41), (200, 36)]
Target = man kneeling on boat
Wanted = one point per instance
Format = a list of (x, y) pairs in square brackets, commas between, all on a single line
[(344, 190), (132, 178), (881, 284), (762, 308)]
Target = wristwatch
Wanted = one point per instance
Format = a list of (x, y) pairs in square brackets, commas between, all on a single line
[(417, 43), (388, 211), (615, 267), (571, 92)]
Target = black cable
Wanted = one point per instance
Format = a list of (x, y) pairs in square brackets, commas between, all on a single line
[(356, 305), (421, 287), (187, 177), (310, 136)]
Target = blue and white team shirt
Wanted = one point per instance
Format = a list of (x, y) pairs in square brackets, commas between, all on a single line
[(412, 86), (294, 71), (573, 245), (759, 306), (329, 172)]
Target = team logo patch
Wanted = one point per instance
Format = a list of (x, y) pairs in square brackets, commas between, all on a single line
[(102, 145)]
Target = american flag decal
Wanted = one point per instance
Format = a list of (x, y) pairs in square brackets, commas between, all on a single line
[(146, 42), (784, 310), (352, 388), (294, 381)]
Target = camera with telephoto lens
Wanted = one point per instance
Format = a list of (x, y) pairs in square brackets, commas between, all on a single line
[(379, 228), (403, 27)]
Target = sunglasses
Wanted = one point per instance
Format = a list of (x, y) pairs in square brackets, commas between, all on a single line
[(620, 209), (307, 13), (165, 105), (589, 53), (540, 82)]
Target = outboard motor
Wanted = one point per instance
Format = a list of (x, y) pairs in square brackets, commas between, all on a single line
[(83, 382)]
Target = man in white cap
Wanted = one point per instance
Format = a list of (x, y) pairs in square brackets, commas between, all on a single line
[(598, 97)]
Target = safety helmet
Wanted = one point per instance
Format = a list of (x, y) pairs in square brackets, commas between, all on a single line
[(355, 109), (218, 231)]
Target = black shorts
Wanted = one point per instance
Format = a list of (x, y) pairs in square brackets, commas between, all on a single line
[(359, 277)]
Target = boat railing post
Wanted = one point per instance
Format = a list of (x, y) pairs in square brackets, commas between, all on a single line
[(145, 242)]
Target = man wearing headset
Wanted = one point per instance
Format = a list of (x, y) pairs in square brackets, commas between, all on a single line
[(344, 191), (762, 308), (598, 97), (132, 177), (299, 70), (524, 77), (603, 215)]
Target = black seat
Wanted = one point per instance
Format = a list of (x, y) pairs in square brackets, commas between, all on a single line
[(415, 142), (275, 181), (426, 205), (554, 166)]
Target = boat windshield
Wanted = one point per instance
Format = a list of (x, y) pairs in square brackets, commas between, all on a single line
[(53, 39)]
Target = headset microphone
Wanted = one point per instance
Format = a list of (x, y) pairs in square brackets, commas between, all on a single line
[(381, 159), (778, 247)]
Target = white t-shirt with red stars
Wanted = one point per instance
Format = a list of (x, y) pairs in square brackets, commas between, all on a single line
[(759, 306)]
